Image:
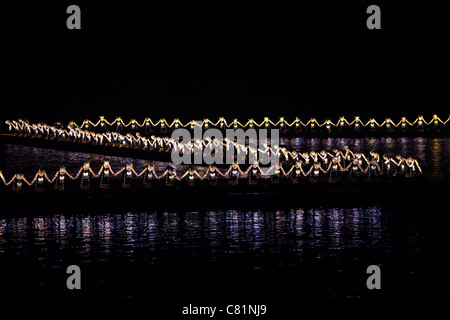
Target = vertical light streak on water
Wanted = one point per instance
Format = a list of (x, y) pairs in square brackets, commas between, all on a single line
[(436, 157)]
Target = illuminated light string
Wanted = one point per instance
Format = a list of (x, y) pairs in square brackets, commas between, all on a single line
[(167, 144), (176, 123), (117, 139), (83, 135), (234, 171), (164, 142)]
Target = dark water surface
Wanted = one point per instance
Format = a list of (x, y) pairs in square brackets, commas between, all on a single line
[(282, 254), (234, 250)]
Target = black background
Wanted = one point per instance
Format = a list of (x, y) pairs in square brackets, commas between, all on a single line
[(208, 59)]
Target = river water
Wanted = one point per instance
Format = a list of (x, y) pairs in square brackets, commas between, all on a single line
[(289, 251)]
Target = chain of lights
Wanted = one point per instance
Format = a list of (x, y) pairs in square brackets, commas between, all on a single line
[(167, 144), (266, 123), (389, 166), (114, 139), (75, 134)]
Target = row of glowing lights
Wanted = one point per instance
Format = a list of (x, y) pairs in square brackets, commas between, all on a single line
[(222, 123), (234, 170), (135, 140), (196, 144), (167, 144)]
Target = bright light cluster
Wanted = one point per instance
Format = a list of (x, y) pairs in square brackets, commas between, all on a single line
[(222, 123), (165, 144)]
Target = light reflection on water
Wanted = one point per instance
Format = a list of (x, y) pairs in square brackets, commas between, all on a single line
[(321, 232), (268, 250)]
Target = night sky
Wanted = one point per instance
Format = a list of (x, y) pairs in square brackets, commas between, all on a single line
[(200, 60)]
